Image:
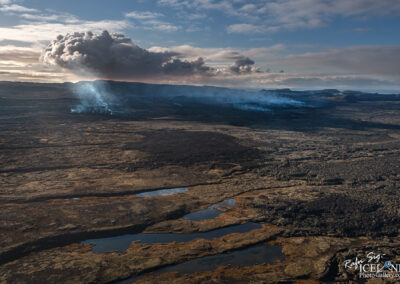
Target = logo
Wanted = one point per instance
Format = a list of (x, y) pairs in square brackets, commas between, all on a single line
[(373, 265)]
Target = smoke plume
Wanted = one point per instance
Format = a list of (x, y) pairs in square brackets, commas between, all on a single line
[(114, 56), (94, 98)]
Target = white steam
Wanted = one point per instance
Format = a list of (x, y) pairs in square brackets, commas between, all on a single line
[(94, 98), (113, 97), (240, 99)]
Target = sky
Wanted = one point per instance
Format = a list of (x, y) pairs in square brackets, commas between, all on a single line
[(249, 44)]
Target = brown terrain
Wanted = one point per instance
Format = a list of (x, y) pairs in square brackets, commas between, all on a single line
[(323, 182)]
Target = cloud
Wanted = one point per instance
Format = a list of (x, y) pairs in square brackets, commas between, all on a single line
[(16, 8), (47, 31), (117, 57), (23, 55), (223, 5), (262, 16), (221, 58), (220, 54), (159, 26), (19, 63), (22, 40), (362, 30), (34, 25), (243, 66), (150, 21), (376, 60), (299, 80), (22, 75), (173, 3), (295, 14), (248, 8), (185, 68), (66, 18), (190, 52), (245, 29), (351, 67), (114, 56), (143, 15)]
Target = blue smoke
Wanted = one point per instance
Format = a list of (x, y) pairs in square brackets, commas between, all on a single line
[(94, 98), (107, 97)]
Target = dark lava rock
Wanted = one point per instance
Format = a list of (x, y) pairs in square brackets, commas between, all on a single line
[(358, 214), (186, 148)]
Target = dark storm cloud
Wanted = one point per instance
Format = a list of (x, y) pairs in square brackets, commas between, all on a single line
[(243, 65), (179, 67), (116, 57)]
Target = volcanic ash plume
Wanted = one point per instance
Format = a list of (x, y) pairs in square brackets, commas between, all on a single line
[(116, 57)]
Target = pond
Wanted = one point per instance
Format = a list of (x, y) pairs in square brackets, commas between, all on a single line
[(123, 242), (211, 212)]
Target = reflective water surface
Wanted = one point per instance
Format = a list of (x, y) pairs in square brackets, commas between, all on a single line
[(123, 242), (211, 212)]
